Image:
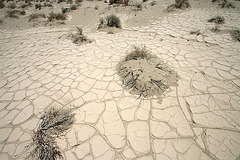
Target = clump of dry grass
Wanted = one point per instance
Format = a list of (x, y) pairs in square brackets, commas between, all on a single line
[(54, 122), (118, 2), (224, 3), (235, 34), (12, 6), (138, 53), (79, 38), (153, 3), (2, 5), (56, 16), (217, 20), (36, 16), (196, 32), (38, 6), (179, 4), (110, 21), (13, 13), (144, 74)]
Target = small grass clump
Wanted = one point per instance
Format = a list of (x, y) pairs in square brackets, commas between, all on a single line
[(138, 53), (73, 7), (78, 2), (12, 6), (217, 20), (197, 32), (79, 38), (223, 3), (65, 10), (2, 5), (235, 35), (110, 21), (11, 14), (54, 123), (118, 2), (1, 21), (36, 16), (38, 6), (56, 16), (23, 5), (153, 3), (179, 4)]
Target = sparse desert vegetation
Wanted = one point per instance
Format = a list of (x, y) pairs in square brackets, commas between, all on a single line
[(179, 4), (224, 3), (110, 21), (136, 71), (2, 5), (56, 16), (12, 5), (235, 34), (36, 16), (196, 32), (13, 13), (218, 20), (79, 38), (54, 122)]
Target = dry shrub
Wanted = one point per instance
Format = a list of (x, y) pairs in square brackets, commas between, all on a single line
[(235, 35), (12, 6), (217, 20), (56, 16), (144, 74), (138, 53), (36, 16), (179, 4), (2, 5), (79, 38), (54, 122), (110, 21)]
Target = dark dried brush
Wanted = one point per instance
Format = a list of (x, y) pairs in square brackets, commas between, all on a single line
[(45, 147), (38, 6), (197, 32), (138, 53), (144, 74), (110, 21), (54, 122), (217, 20), (12, 6), (56, 16), (2, 5), (11, 14), (36, 16), (79, 38), (179, 4), (73, 7), (235, 34), (113, 21)]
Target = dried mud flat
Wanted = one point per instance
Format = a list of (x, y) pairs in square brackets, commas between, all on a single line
[(196, 117)]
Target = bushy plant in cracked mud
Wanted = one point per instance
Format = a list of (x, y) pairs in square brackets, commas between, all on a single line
[(54, 123), (179, 4), (144, 74), (110, 21)]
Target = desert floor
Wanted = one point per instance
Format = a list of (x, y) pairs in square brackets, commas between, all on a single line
[(197, 119)]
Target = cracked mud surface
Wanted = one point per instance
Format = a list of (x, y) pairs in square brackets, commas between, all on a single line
[(198, 119)]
